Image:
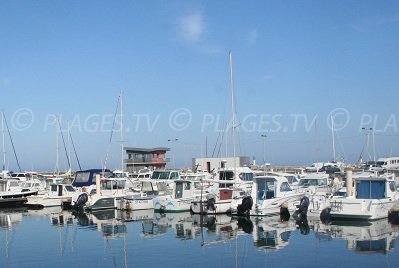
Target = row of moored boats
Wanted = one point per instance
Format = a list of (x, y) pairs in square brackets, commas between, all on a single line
[(236, 191)]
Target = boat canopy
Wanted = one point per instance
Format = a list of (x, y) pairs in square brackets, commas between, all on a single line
[(86, 178)]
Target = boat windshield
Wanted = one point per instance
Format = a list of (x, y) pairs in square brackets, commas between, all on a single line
[(165, 175), (266, 189), (69, 188), (246, 176), (313, 182), (113, 184), (291, 179), (85, 176)]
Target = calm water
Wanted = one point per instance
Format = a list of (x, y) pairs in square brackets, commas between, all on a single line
[(55, 238)]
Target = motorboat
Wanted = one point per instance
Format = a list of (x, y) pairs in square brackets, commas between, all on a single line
[(180, 200), (270, 195), (11, 188), (105, 195), (229, 185), (143, 199), (57, 195), (368, 198)]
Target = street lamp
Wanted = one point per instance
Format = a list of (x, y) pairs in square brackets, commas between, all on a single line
[(264, 152)]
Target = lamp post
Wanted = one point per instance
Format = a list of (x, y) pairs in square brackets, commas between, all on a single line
[(264, 152), (173, 158)]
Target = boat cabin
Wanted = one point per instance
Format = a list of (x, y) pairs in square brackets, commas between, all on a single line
[(61, 190), (19, 176), (268, 187), (374, 188), (243, 174), (183, 188)]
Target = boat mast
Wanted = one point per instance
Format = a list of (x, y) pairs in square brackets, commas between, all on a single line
[(57, 167), (122, 147), (333, 137), (3, 138), (233, 124), (69, 147)]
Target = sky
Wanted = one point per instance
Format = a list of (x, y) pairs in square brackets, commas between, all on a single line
[(307, 75)]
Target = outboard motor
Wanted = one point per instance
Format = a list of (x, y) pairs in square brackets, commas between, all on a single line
[(81, 201), (245, 207), (210, 202), (300, 215), (302, 209)]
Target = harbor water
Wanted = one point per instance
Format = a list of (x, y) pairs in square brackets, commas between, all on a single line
[(57, 238)]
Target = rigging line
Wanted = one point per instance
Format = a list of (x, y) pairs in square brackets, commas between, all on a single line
[(74, 150), (63, 142), (221, 141), (361, 153), (341, 145), (110, 137), (12, 143), (216, 144)]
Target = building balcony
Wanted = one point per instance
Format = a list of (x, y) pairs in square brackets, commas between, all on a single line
[(146, 161)]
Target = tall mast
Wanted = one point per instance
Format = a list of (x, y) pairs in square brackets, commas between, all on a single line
[(57, 167), (122, 147), (374, 159), (3, 138), (69, 147), (333, 137), (233, 110)]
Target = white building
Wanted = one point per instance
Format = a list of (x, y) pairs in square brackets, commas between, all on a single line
[(212, 163)]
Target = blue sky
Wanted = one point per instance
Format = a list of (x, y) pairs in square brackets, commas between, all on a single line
[(296, 64)]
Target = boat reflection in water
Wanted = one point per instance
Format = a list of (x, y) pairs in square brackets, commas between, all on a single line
[(180, 223), (10, 219), (111, 222), (272, 232), (265, 232), (220, 228), (366, 237)]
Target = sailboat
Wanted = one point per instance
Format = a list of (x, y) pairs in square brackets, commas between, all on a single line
[(109, 190), (11, 192), (5, 173), (230, 184)]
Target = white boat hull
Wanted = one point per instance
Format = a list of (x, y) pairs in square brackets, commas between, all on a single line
[(47, 201), (169, 204), (361, 209), (220, 207), (270, 207), (140, 203)]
